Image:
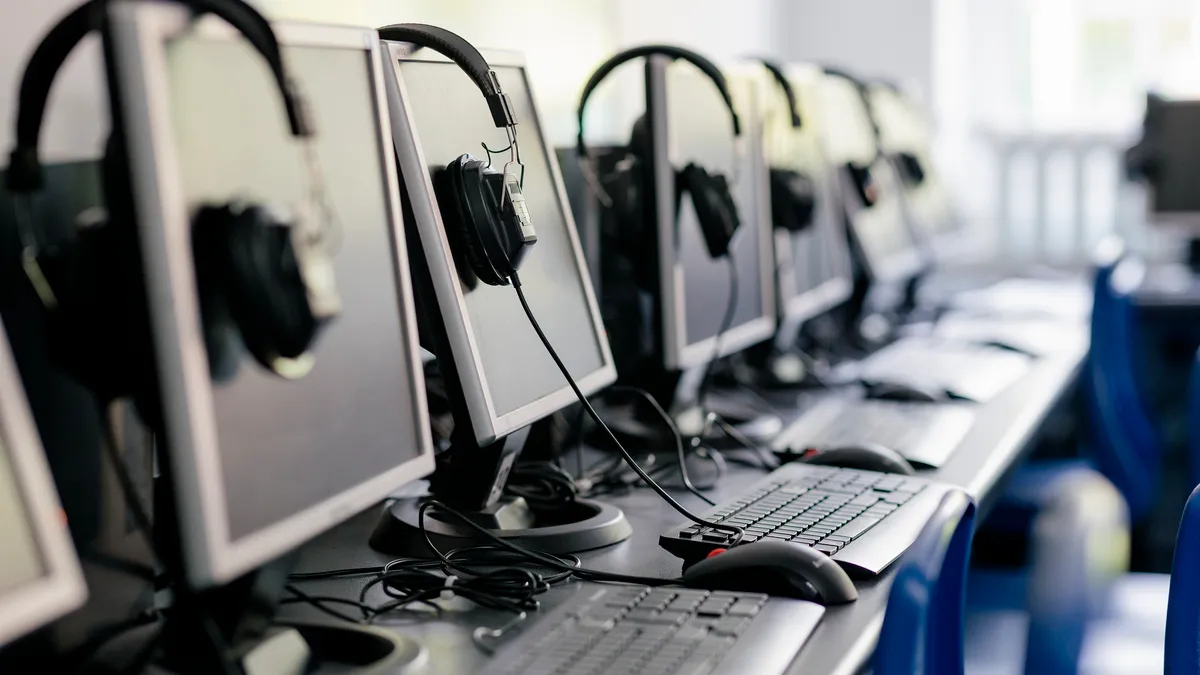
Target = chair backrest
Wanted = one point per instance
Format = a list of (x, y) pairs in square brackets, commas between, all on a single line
[(1183, 606), (1193, 423), (922, 630), (1126, 444)]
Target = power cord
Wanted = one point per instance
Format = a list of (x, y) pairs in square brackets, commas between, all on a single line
[(543, 485), (736, 531), (675, 433)]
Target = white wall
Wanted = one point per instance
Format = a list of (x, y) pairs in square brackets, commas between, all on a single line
[(562, 39), (77, 117), (892, 39)]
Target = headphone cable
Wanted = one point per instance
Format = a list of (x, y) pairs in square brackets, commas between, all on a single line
[(737, 532), (726, 324)]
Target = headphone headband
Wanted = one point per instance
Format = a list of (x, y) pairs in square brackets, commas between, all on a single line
[(705, 66), (464, 54), (782, 80), (861, 88), (25, 169)]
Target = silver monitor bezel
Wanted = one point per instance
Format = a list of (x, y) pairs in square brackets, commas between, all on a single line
[(487, 424), (61, 587), (677, 353), (140, 33)]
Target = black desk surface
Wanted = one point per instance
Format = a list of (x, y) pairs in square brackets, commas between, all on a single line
[(1005, 429)]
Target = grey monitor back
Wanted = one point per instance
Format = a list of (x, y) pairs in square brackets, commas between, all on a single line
[(690, 123), (259, 463), (507, 376), (40, 579)]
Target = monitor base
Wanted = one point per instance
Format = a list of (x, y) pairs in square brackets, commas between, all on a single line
[(359, 650), (584, 525)]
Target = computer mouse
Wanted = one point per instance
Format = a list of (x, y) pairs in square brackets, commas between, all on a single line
[(897, 391), (865, 456), (779, 568)]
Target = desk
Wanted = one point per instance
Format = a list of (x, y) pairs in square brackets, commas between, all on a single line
[(1004, 431)]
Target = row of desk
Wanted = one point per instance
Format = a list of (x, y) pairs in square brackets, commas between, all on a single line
[(1005, 431)]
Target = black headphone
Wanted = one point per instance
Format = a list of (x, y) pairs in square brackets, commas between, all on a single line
[(715, 209), (864, 182), (793, 193), (483, 209), (263, 280)]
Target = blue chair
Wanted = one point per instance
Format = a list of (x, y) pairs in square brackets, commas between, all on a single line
[(1183, 606), (1126, 444), (922, 630)]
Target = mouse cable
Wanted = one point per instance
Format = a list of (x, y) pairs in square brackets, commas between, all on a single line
[(767, 461), (737, 532), (678, 436)]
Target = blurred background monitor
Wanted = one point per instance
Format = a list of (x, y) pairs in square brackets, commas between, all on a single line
[(258, 463), (906, 138), (506, 376), (813, 267), (868, 185), (689, 122), (40, 577), (1168, 158)]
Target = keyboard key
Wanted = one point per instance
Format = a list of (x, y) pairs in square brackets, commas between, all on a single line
[(743, 608), (827, 549), (856, 527), (731, 626), (865, 499)]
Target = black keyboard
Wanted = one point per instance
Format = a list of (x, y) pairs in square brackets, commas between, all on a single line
[(630, 630), (925, 434), (862, 519), (972, 373)]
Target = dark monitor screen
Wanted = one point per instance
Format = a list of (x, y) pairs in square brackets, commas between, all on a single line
[(698, 129), (1170, 150), (261, 463), (508, 377)]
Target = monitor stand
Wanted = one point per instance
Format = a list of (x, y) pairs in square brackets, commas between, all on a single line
[(470, 479), (642, 428)]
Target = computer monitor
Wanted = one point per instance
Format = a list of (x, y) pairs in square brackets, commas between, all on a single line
[(813, 267), (869, 187), (499, 377), (259, 464), (507, 376), (689, 122), (906, 139), (40, 578), (1166, 157)]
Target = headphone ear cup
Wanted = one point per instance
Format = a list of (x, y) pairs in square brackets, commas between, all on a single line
[(715, 209), (247, 257), (98, 330), (793, 200), (461, 213)]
